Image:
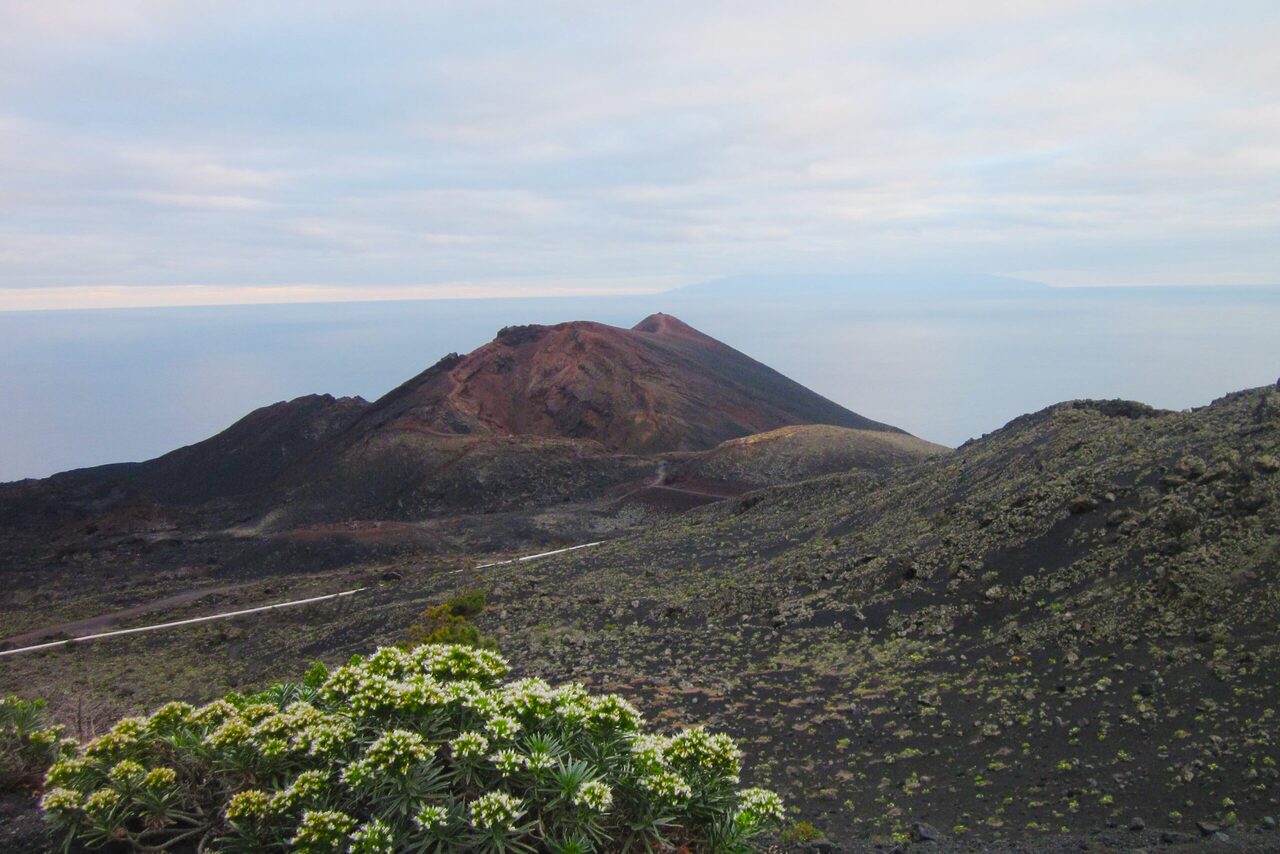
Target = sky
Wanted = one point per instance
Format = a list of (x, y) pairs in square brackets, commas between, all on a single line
[(82, 388), (171, 153)]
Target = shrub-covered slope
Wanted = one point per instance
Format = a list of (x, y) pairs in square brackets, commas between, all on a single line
[(1067, 623)]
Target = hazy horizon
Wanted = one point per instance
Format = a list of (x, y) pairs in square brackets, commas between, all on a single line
[(84, 388)]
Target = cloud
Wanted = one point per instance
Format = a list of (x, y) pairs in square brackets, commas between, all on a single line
[(147, 144), (153, 296)]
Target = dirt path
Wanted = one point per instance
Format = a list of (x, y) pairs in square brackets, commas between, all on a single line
[(105, 621), (225, 615), (718, 496), (658, 481)]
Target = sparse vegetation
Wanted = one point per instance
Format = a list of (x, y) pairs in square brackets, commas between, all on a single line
[(841, 628)]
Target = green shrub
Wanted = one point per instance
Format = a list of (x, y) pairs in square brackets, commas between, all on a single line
[(466, 604), (801, 831), (28, 743), (449, 623), (417, 750)]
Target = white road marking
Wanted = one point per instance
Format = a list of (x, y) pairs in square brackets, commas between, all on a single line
[(189, 622), (533, 557), (292, 604)]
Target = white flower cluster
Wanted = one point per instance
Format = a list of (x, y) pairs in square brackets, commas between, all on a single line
[(308, 787), (373, 837), (394, 753), (469, 745), (667, 787), (539, 760), (58, 799), (432, 817), (322, 831), (508, 761), (760, 805), (697, 751), (649, 752), (595, 796), (496, 811), (250, 805)]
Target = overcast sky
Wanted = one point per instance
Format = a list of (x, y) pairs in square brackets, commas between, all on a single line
[(158, 152)]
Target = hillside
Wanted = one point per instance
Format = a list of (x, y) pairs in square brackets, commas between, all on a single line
[(1063, 626), (789, 454), (541, 416)]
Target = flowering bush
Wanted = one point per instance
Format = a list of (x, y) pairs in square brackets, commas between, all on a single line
[(28, 743), (420, 750)]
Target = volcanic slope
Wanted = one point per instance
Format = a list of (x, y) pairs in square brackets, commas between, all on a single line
[(1067, 624), (550, 414), (543, 416), (659, 386)]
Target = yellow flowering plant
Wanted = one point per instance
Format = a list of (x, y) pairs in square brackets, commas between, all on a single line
[(407, 750)]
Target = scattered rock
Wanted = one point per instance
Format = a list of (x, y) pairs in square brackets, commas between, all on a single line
[(392, 575), (921, 832), (1082, 504), (822, 846), (1137, 824), (1207, 828), (1268, 823)]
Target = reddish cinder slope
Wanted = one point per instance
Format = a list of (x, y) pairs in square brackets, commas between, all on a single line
[(540, 416), (660, 386)]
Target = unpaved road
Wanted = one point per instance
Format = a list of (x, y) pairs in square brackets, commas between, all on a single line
[(102, 622)]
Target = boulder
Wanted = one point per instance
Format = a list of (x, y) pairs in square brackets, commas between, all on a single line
[(921, 832)]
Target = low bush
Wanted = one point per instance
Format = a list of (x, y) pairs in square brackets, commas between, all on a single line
[(421, 750), (28, 742), (801, 831), (450, 623), (467, 604)]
